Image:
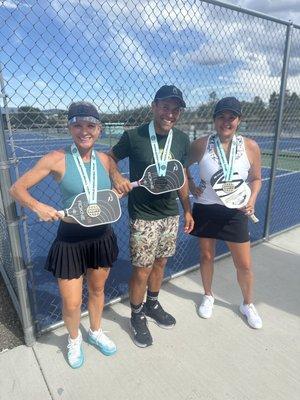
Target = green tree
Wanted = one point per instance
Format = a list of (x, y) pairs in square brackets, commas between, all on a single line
[(28, 117), (273, 102), (212, 97), (294, 103)]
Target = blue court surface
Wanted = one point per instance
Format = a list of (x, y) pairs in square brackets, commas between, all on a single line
[(46, 300), (286, 144)]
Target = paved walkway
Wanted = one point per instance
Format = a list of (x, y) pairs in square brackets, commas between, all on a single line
[(217, 359)]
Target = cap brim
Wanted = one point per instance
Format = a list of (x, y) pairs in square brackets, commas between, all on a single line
[(182, 102), (238, 114)]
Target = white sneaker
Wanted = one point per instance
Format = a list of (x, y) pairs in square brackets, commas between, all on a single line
[(251, 314), (206, 307), (102, 342), (75, 352)]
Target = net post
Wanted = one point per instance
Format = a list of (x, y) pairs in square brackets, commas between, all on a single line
[(284, 74)]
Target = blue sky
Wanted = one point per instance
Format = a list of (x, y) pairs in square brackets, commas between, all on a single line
[(118, 53)]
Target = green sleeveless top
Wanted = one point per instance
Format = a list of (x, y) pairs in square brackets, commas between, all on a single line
[(71, 184)]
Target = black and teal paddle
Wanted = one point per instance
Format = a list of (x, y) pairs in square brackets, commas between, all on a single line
[(106, 211), (173, 179)]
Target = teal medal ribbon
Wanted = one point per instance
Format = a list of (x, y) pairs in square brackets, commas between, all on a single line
[(89, 183), (161, 161), (227, 167)]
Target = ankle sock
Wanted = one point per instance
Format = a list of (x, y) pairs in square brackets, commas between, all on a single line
[(136, 308), (152, 298)]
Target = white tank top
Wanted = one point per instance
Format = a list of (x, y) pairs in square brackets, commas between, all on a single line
[(210, 164)]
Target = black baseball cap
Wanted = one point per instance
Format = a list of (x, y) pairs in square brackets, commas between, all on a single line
[(168, 92), (228, 104), (83, 110)]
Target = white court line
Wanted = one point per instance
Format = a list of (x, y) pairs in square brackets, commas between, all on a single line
[(23, 148), (281, 175)]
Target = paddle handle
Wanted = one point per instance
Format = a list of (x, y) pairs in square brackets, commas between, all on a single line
[(253, 218), (135, 184), (62, 213)]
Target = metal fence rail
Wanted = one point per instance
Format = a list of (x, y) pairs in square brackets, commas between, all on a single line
[(117, 54)]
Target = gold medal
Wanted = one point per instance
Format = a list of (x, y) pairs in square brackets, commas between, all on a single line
[(160, 182), (93, 210), (228, 187)]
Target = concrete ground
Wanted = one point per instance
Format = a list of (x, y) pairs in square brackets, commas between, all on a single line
[(11, 334), (217, 359)]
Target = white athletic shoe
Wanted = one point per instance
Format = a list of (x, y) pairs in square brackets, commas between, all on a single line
[(206, 307), (102, 342), (75, 352), (252, 316)]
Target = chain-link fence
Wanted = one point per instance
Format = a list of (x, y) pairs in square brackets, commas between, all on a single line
[(117, 54)]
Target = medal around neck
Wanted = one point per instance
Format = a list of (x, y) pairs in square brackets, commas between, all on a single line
[(161, 161), (227, 166), (228, 187), (173, 179), (232, 190), (105, 211), (89, 182)]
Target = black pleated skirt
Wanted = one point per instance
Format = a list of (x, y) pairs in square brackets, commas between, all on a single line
[(216, 221), (77, 248)]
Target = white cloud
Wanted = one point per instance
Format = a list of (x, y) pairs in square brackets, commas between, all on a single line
[(253, 48), (287, 10), (13, 4), (8, 4), (133, 55), (144, 39)]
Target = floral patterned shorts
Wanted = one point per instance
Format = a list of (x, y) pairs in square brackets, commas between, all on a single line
[(152, 239)]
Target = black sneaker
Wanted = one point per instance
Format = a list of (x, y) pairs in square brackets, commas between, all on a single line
[(159, 315), (141, 334)]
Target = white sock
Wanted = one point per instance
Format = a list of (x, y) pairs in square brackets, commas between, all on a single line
[(77, 338), (94, 333)]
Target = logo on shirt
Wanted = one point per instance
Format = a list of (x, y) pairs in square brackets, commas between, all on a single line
[(171, 155)]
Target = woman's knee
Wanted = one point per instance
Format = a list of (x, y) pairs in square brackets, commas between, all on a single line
[(71, 305), (96, 290), (207, 257), (244, 267)]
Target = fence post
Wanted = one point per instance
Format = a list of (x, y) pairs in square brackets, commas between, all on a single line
[(278, 125), (11, 217)]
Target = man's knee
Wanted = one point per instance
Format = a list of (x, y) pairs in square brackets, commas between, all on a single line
[(140, 274), (160, 263)]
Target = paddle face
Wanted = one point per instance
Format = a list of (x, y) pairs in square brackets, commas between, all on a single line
[(173, 180), (233, 194), (107, 209)]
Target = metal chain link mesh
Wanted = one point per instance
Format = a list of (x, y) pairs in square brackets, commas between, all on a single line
[(116, 54), (285, 209), (5, 253)]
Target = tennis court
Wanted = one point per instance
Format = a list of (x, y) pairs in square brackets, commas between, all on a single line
[(29, 147)]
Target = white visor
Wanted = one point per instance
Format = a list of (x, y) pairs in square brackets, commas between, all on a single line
[(73, 120)]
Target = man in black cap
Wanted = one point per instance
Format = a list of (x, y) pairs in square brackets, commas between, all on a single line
[(154, 218)]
